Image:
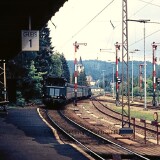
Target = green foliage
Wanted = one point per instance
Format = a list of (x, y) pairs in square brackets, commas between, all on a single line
[(32, 87), (30, 67), (65, 68), (56, 65), (44, 55), (141, 114), (82, 78), (136, 91), (95, 67), (149, 85), (20, 100)]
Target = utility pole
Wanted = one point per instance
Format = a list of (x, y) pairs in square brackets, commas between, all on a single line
[(144, 21), (76, 47), (113, 80), (132, 71), (108, 50), (3, 86), (140, 80), (103, 82), (125, 74)]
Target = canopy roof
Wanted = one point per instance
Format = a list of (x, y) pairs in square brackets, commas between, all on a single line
[(14, 17)]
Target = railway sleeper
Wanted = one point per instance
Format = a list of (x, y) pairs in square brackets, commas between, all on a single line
[(115, 136), (123, 139), (128, 141), (85, 117), (150, 138)]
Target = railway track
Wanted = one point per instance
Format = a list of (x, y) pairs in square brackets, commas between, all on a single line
[(137, 102), (139, 125), (97, 146)]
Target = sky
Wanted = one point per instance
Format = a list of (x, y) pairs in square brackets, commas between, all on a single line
[(99, 24)]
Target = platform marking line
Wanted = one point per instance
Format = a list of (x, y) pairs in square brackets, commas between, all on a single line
[(53, 129), (58, 139)]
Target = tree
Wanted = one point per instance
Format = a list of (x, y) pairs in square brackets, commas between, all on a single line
[(28, 67), (65, 69), (56, 65), (32, 87), (136, 91), (82, 80), (44, 55)]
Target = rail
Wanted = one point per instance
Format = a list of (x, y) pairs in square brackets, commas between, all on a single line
[(91, 132)]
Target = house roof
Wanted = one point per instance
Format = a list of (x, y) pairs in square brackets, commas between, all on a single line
[(80, 61)]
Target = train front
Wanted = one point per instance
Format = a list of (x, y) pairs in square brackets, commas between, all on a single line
[(54, 92)]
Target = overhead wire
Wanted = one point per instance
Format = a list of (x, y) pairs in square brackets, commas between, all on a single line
[(89, 22), (150, 3), (130, 17), (137, 11), (145, 37), (93, 18), (147, 3), (141, 8)]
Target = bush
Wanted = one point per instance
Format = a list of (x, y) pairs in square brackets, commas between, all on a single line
[(20, 102)]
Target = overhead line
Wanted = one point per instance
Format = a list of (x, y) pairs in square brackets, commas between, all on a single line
[(93, 18), (145, 37), (89, 22), (140, 9), (150, 3)]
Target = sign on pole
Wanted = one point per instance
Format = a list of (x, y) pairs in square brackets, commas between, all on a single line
[(30, 40)]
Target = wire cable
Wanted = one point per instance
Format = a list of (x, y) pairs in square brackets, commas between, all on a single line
[(93, 18), (145, 37), (150, 3), (141, 8), (87, 23)]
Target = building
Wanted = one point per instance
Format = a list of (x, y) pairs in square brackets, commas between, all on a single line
[(80, 66), (90, 80)]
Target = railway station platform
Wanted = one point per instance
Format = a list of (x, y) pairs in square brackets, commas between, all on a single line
[(24, 136)]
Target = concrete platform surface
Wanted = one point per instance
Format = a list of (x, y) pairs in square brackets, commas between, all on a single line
[(24, 136)]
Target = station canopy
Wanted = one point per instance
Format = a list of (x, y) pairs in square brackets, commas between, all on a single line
[(14, 17)]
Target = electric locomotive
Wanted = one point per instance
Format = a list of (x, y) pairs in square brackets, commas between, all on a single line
[(58, 92)]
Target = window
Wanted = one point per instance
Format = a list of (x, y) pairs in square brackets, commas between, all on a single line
[(56, 92), (51, 92)]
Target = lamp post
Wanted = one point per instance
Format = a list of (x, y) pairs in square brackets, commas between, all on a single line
[(103, 82), (140, 80), (132, 70), (112, 78), (107, 50), (144, 21)]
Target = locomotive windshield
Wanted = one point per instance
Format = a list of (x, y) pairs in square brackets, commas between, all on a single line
[(52, 81)]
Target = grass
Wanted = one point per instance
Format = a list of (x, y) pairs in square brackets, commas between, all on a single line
[(139, 112)]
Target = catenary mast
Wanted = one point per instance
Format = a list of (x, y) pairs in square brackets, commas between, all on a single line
[(125, 74)]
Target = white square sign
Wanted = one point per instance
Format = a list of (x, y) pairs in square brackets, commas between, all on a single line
[(30, 40)]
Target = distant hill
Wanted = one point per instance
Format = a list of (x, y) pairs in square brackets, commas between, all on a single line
[(96, 67)]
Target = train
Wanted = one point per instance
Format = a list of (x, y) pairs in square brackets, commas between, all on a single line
[(58, 92)]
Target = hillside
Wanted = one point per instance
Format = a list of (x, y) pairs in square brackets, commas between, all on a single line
[(95, 68)]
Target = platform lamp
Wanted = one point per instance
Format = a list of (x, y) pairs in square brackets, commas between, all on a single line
[(144, 21), (113, 73), (109, 51), (134, 51)]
